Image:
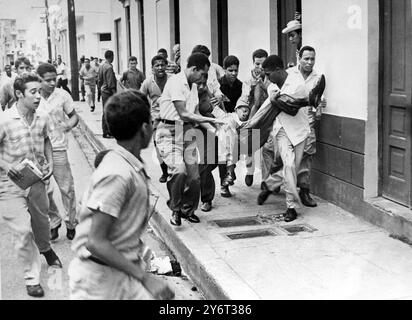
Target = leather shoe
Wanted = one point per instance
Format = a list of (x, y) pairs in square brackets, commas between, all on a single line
[(192, 218), (71, 233), (224, 192), (163, 179), (315, 95), (306, 199), (249, 180), (35, 291), (263, 196), (206, 207), (290, 215), (52, 259), (54, 233), (176, 219)]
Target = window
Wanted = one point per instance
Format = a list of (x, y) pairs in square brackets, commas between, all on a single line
[(105, 37)]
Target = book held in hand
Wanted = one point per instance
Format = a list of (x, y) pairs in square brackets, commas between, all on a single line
[(30, 174)]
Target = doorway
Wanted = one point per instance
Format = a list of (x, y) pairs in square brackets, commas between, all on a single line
[(396, 100)]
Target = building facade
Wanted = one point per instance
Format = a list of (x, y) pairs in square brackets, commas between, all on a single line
[(13, 41), (363, 162)]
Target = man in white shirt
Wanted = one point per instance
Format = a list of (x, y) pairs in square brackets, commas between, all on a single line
[(290, 132), (58, 104), (62, 80), (178, 112)]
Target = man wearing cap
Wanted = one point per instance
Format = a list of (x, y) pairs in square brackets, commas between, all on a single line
[(294, 32)]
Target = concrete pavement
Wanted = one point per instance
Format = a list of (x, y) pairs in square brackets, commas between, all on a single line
[(244, 251)]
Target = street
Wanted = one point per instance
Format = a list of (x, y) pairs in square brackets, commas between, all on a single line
[(55, 281)]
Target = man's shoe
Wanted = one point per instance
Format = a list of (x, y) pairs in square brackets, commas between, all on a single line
[(276, 191), (52, 259), (35, 291), (192, 218), (163, 178), (71, 233), (92, 109), (83, 100), (54, 233), (315, 95), (206, 207), (306, 199), (249, 180), (107, 136), (224, 192), (290, 215), (263, 196), (176, 219)]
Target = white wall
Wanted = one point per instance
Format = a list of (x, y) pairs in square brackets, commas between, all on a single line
[(163, 25), (341, 40), (150, 31), (195, 26), (249, 29)]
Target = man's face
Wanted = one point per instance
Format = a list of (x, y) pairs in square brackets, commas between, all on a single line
[(96, 61), (23, 68), (59, 61), (197, 75), (232, 73), (257, 63), (159, 68), (294, 37), (31, 96), (267, 81), (243, 113), (202, 86), (133, 64), (8, 70), (307, 61), (49, 82), (87, 63)]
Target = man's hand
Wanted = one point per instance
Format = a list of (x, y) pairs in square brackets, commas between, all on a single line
[(47, 171), (12, 172), (158, 288), (65, 127)]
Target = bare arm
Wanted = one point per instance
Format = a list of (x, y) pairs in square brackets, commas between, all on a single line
[(191, 117), (100, 247), (73, 119), (48, 153)]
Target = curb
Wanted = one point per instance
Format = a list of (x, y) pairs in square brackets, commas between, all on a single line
[(197, 271)]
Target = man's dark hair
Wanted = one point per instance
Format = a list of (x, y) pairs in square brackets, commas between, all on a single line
[(125, 113), (272, 63), (21, 81), (230, 61), (132, 58), (158, 57), (109, 54), (200, 48), (306, 48), (162, 50), (198, 60), (45, 68), (21, 60), (259, 53)]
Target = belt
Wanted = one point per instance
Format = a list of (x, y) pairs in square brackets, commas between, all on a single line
[(98, 261), (173, 122)]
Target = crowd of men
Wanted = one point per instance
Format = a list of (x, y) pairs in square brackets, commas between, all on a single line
[(196, 115)]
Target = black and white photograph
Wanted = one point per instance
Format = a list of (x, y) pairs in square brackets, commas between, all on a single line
[(205, 150)]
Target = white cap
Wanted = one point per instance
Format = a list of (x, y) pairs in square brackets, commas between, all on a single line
[(292, 26)]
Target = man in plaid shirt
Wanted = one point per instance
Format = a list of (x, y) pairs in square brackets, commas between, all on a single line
[(24, 135)]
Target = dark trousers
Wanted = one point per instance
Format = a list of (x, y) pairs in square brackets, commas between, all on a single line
[(63, 84), (209, 162), (82, 89), (105, 128)]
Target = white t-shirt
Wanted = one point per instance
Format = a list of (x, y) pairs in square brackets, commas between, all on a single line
[(177, 89)]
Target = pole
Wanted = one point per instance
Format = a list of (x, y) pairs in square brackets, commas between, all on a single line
[(49, 46), (73, 49)]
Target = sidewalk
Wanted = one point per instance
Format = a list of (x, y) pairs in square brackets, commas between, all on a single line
[(327, 253)]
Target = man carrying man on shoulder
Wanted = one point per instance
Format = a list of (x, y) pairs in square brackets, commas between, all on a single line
[(58, 104)]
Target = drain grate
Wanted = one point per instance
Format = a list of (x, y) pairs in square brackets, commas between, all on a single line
[(252, 234), (298, 228), (238, 222)]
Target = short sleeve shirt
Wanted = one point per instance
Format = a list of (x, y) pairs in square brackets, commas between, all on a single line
[(177, 89), (122, 192), (58, 106), (19, 140), (153, 92), (296, 127)]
